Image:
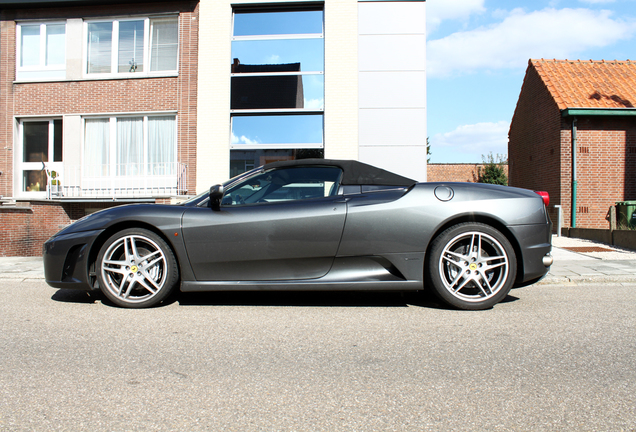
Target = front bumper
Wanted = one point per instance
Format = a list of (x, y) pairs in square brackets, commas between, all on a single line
[(66, 260)]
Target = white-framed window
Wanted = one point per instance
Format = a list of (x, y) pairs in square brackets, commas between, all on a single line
[(40, 50), (39, 148), (140, 46), (277, 90), (131, 145)]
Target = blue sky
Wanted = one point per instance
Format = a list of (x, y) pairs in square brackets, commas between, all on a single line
[(478, 52)]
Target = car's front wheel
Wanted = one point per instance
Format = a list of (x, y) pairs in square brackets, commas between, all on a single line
[(471, 266), (136, 268)]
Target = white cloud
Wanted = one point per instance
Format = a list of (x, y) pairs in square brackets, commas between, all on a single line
[(314, 103), (476, 139), (549, 33), (243, 140), (441, 10)]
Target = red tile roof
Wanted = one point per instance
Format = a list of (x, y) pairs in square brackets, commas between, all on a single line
[(589, 84)]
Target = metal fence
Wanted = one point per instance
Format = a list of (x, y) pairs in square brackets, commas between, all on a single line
[(118, 181)]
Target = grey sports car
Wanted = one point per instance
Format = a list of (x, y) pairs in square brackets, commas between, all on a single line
[(312, 224)]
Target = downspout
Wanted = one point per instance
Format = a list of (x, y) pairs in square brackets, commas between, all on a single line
[(574, 173)]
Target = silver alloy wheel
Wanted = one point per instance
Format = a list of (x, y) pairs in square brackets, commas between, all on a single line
[(134, 268), (474, 266)]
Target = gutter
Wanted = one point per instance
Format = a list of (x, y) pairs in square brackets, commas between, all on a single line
[(574, 182), (615, 112)]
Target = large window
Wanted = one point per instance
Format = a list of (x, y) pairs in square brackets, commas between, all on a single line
[(130, 146), (136, 46), (277, 94), (41, 51), (41, 141)]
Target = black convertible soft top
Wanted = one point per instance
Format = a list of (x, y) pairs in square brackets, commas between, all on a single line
[(354, 172)]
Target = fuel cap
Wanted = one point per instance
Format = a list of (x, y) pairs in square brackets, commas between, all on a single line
[(444, 193)]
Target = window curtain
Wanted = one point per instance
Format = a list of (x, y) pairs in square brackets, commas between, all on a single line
[(162, 145), (163, 52), (96, 146), (130, 146)]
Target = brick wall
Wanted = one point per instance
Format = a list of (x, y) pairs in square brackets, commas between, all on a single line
[(25, 227), (461, 172), (606, 167), (534, 147), (540, 156), (101, 96)]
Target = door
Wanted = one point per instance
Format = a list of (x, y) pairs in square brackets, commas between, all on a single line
[(41, 142), (280, 225)]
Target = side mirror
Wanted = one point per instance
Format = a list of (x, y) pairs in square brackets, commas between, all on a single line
[(216, 195)]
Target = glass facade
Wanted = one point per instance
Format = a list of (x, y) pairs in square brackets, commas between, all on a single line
[(277, 86)]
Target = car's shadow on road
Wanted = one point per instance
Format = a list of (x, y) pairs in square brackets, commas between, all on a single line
[(279, 298), (309, 299)]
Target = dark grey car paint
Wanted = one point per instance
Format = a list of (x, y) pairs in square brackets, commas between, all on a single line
[(266, 246), (282, 241)]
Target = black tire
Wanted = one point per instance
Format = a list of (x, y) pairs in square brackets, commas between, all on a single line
[(136, 269), (471, 266)]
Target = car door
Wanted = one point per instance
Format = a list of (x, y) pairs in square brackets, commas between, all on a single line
[(269, 229)]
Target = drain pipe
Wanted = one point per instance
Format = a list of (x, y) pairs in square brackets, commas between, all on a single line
[(574, 173)]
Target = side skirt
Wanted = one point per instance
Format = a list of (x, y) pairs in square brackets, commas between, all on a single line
[(402, 272)]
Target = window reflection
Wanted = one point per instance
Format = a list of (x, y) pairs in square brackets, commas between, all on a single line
[(260, 130), (309, 53), (131, 46), (247, 23), (244, 160), (277, 64)]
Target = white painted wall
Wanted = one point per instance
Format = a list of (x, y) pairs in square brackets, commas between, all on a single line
[(392, 86)]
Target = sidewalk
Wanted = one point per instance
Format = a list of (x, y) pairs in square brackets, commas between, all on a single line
[(575, 260)]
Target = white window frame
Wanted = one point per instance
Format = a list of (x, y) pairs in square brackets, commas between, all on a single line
[(42, 66), (114, 54), (112, 135), (22, 166)]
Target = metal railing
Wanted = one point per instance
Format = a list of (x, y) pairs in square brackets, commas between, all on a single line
[(118, 181)]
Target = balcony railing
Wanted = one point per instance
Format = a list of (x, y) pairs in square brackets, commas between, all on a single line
[(117, 181)]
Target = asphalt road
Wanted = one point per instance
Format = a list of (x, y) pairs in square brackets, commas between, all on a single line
[(552, 357)]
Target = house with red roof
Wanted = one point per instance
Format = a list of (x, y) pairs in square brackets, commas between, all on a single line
[(573, 134)]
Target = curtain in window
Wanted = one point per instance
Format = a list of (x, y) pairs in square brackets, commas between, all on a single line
[(163, 51), (162, 146), (130, 146), (100, 37), (96, 145)]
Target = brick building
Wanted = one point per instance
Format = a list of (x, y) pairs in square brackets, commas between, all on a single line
[(97, 108), (587, 106)]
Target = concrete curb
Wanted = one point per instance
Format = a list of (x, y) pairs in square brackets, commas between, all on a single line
[(576, 280)]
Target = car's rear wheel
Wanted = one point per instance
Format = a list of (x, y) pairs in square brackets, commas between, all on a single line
[(136, 268), (471, 266)]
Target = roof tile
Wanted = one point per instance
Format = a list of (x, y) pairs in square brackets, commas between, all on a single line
[(589, 84)]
